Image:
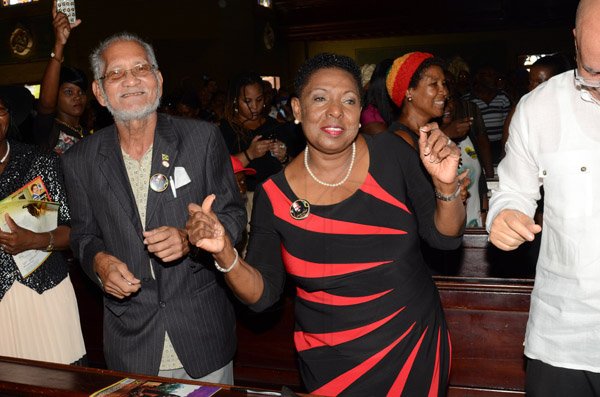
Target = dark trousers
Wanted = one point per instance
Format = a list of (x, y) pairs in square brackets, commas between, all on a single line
[(544, 380)]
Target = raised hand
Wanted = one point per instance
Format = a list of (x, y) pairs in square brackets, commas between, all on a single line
[(62, 27), (204, 228), (439, 154)]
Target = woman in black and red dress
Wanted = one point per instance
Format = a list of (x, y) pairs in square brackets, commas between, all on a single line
[(343, 221)]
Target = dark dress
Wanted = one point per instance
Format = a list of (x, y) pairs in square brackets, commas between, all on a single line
[(50, 134), (266, 165), (369, 321), (26, 163)]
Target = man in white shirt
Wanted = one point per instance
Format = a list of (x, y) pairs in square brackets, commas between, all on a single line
[(555, 142)]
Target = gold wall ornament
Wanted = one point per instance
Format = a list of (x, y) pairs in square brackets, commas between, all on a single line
[(21, 41)]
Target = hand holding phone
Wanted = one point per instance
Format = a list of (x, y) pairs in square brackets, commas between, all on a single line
[(67, 7)]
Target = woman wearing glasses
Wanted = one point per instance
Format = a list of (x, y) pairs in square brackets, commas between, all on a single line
[(62, 95), (39, 319)]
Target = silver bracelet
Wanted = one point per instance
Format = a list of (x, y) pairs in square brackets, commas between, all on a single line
[(449, 197), (230, 268)]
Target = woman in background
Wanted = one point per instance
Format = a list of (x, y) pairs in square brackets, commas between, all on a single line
[(379, 111), (39, 319), (62, 95), (257, 140)]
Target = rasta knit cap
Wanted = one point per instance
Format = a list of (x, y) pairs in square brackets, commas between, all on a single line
[(401, 73)]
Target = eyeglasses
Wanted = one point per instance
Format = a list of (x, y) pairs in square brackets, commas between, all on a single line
[(580, 81), (140, 70), (3, 111)]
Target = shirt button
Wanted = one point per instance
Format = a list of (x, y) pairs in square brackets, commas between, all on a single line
[(162, 304), (544, 172), (583, 169)]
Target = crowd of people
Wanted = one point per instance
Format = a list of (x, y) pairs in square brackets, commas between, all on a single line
[(340, 180)]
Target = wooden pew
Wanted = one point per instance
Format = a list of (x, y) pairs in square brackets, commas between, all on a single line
[(486, 318), (478, 258), (34, 378)]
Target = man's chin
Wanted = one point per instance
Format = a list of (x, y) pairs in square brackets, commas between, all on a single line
[(132, 115)]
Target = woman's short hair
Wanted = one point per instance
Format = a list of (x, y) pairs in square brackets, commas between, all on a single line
[(326, 60), (74, 76)]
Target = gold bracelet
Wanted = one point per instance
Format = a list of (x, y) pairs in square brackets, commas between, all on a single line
[(50, 246)]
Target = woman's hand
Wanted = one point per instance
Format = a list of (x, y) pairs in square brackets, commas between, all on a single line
[(258, 147), (279, 150), (204, 229), (439, 155), (62, 27), (458, 128), (18, 239)]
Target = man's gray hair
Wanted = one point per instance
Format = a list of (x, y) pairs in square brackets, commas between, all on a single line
[(97, 61)]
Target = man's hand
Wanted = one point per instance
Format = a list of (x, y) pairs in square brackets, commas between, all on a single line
[(511, 228), (203, 227), (167, 243), (116, 278)]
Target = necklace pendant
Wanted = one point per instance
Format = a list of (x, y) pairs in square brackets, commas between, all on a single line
[(300, 209)]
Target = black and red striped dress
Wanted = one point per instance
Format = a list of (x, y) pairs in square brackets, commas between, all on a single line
[(368, 316)]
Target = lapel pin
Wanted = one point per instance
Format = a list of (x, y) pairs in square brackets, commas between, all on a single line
[(165, 160), (159, 182)]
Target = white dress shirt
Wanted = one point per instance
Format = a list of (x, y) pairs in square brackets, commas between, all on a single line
[(554, 141)]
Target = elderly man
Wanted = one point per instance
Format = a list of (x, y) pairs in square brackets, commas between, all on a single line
[(165, 312), (555, 142)]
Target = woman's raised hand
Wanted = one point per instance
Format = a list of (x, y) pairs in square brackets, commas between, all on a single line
[(203, 228), (439, 154)]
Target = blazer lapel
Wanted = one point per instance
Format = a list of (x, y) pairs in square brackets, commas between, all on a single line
[(164, 157), (113, 169)]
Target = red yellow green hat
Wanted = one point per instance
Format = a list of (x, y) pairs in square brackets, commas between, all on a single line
[(401, 72)]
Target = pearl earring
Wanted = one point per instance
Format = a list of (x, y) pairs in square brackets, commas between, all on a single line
[(296, 121), (359, 126), (409, 99)]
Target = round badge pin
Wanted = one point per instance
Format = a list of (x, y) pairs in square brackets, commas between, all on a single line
[(299, 209), (159, 182)]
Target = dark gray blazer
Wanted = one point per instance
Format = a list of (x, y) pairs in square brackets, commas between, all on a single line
[(188, 299)]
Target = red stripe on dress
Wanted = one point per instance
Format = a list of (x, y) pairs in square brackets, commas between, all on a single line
[(307, 340), (398, 386), (314, 223), (339, 384), (435, 380), (374, 189), (336, 300), (301, 268)]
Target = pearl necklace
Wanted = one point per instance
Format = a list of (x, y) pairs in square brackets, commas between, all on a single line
[(325, 183), (5, 154)]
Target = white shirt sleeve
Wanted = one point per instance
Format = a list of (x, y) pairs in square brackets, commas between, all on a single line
[(518, 173)]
